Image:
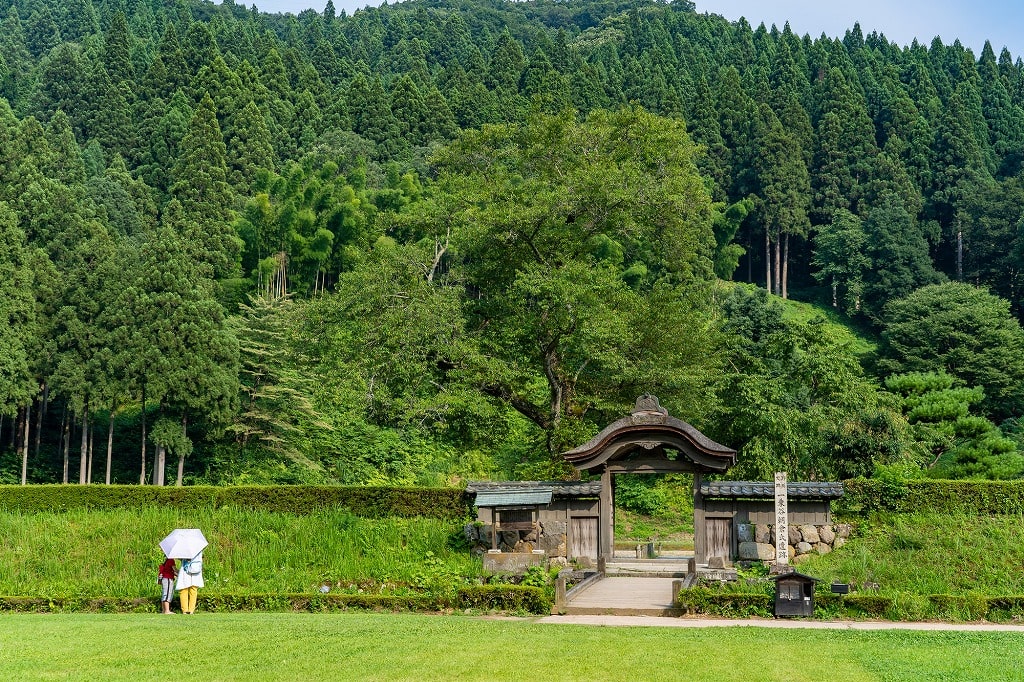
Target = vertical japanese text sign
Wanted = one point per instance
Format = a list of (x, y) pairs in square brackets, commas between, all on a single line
[(781, 520)]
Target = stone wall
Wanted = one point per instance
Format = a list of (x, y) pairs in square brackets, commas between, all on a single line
[(549, 536), (757, 541)]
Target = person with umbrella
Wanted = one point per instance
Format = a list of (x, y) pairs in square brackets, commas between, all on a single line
[(187, 544), (190, 579)]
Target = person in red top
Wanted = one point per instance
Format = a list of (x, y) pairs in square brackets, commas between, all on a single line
[(166, 580)]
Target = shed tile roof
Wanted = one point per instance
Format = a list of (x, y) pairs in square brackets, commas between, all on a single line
[(761, 489), (554, 489), (518, 498)]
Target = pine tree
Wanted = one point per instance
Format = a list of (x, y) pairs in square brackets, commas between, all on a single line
[(117, 48), (784, 189), (17, 307), (41, 32), (249, 147), (200, 185)]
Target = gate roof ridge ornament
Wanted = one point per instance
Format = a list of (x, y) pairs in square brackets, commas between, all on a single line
[(650, 425)]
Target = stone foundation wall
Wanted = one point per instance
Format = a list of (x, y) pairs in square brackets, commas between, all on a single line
[(757, 541), (549, 536)]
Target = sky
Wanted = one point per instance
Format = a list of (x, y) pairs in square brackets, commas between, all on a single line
[(971, 21)]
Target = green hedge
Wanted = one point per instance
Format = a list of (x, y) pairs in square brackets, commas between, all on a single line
[(864, 496), (506, 598), (443, 503), (945, 607)]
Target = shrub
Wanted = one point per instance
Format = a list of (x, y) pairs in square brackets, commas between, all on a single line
[(972, 497), (443, 503), (504, 598)]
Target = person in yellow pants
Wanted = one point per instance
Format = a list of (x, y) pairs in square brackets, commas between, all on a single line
[(190, 579)]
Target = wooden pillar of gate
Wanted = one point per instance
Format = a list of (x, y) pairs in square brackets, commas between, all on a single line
[(606, 542), (700, 538)]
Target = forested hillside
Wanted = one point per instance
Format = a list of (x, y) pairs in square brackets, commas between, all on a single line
[(449, 239)]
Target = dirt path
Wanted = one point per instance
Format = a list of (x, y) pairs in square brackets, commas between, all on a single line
[(654, 621)]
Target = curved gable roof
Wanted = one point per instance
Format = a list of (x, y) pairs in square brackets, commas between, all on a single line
[(650, 427)]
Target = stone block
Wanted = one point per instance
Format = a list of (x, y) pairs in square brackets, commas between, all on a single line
[(800, 559), (531, 536), (508, 537), (844, 530), (509, 562), (823, 548), (839, 542), (826, 535), (803, 548), (554, 545), (810, 534), (744, 532), (748, 551), (762, 533), (469, 531), (756, 551), (523, 547), (553, 528), (794, 535), (485, 533)]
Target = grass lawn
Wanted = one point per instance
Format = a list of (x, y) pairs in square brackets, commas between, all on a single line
[(282, 646)]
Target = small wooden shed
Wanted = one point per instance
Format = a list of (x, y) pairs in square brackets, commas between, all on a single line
[(559, 517)]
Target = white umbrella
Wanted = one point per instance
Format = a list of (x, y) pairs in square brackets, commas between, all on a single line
[(183, 543)]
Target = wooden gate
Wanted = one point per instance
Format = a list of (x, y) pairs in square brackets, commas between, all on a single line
[(719, 538), (583, 537)]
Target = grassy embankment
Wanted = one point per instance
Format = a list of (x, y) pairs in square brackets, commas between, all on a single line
[(283, 646), (115, 553)]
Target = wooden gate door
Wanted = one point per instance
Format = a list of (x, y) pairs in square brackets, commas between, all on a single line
[(719, 538), (583, 537)]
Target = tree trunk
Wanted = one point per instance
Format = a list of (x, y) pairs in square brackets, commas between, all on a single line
[(84, 453), (959, 254), (65, 429), (110, 445), (835, 289), (785, 266), (142, 475), (181, 455), (776, 269), (24, 452), (767, 261), (159, 465), (39, 417), (92, 432)]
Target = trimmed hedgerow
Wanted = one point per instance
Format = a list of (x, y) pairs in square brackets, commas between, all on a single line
[(704, 601), (863, 496), (504, 598), (374, 502)]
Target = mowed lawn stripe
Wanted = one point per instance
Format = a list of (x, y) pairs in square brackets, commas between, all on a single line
[(286, 646)]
